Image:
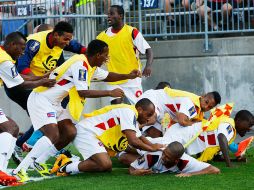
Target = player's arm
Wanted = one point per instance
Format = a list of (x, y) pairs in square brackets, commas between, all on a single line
[(33, 77), (101, 93), (223, 142), (148, 68), (33, 84), (137, 143), (183, 119), (75, 47), (112, 77), (139, 172), (209, 170), (24, 61), (143, 47)]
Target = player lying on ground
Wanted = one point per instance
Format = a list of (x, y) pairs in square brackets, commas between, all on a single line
[(183, 107), (171, 159)]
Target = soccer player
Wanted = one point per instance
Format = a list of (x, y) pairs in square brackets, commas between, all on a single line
[(13, 47), (111, 128), (171, 159), (17, 155), (125, 43), (183, 107), (44, 105), (216, 139), (42, 53)]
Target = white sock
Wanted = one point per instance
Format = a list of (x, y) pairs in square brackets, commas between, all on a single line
[(41, 146), (72, 168), (5, 142), (11, 150), (46, 155)]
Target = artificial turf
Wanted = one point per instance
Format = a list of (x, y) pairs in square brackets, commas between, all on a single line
[(241, 176)]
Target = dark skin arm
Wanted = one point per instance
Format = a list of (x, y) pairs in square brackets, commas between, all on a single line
[(148, 68), (208, 170), (138, 143), (101, 93), (223, 142), (139, 172), (33, 84), (32, 77), (183, 120), (112, 77)]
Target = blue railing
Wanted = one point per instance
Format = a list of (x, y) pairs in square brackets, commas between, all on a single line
[(155, 18)]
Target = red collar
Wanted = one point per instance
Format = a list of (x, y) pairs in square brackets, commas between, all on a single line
[(50, 40)]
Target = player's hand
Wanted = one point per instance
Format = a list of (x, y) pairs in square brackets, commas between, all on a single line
[(134, 74), (183, 175), (147, 71), (116, 93), (46, 76), (157, 147), (143, 172), (47, 82)]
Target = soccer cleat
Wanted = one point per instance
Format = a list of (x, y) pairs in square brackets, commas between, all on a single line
[(6, 180), (65, 155), (62, 169), (42, 169), (243, 146), (22, 176), (17, 155)]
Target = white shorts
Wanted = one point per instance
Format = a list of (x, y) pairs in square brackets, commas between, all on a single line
[(132, 89), (42, 112), (87, 143), (3, 117)]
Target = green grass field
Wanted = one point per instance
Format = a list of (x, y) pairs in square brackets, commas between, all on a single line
[(241, 176)]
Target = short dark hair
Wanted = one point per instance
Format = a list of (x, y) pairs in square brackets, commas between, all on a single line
[(216, 96), (162, 85), (244, 115), (14, 37), (176, 149), (62, 27), (144, 103), (119, 9), (95, 46), (43, 27)]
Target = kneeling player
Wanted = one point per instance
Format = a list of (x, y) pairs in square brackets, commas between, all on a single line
[(110, 128)]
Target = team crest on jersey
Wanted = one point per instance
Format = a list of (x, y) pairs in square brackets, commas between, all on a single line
[(82, 75), (192, 111), (51, 114), (34, 46), (229, 129), (14, 71)]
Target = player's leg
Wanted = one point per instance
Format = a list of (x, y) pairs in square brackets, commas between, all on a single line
[(8, 136), (43, 117)]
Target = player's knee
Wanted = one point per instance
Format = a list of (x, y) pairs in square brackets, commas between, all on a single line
[(72, 133), (106, 165), (11, 127)]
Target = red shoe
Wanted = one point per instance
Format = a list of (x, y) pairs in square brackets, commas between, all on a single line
[(243, 146), (6, 179)]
